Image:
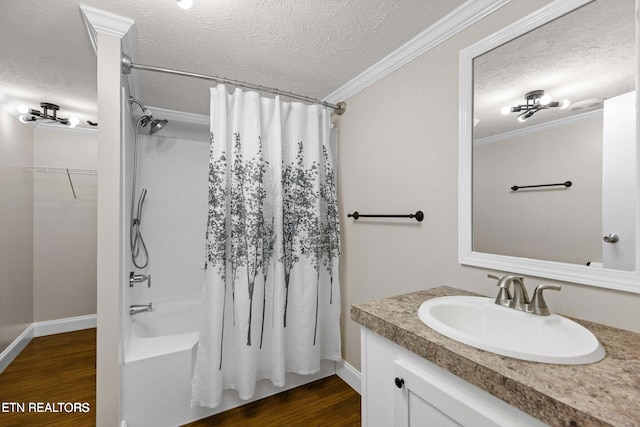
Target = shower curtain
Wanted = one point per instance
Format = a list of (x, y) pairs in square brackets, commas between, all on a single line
[(271, 300)]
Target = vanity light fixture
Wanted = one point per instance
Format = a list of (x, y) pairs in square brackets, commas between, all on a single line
[(185, 4), (535, 100), (49, 114)]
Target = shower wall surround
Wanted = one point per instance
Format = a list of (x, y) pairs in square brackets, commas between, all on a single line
[(173, 167), (411, 142)]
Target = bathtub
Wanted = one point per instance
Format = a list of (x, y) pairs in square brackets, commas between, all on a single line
[(172, 326), (159, 358)]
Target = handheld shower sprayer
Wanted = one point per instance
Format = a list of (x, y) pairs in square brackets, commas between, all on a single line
[(136, 242)]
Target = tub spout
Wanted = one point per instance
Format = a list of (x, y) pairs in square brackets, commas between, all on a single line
[(135, 309)]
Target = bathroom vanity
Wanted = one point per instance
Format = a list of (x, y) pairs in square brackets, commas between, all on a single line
[(411, 372)]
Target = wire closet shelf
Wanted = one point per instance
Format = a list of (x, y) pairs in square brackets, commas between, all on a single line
[(65, 171)]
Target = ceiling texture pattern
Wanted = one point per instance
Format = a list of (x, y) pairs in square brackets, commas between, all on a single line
[(310, 47)]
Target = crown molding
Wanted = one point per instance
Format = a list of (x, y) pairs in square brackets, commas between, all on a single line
[(554, 124), (61, 128), (464, 16), (100, 22)]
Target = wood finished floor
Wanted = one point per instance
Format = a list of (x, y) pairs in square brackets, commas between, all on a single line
[(52, 369), (329, 402), (61, 368)]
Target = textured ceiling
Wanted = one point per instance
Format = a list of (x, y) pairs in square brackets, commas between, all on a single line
[(586, 54), (311, 47)]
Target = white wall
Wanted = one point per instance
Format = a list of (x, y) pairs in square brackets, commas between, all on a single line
[(398, 151), (16, 229), (64, 249), (556, 224)]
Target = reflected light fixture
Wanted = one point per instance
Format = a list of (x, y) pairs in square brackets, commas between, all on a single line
[(536, 100), (49, 114), (185, 4)]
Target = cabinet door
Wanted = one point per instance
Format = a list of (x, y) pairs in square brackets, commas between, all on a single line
[(412, 405), (400, 388), (427, 396)]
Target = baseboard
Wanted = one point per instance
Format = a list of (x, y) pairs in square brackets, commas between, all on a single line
[(14, 349), (59, 326), (349, 375), (40, 329)]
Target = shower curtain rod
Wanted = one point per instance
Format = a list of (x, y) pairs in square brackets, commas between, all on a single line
[(127, 65)]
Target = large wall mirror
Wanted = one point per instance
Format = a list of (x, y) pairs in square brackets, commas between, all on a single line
[(549, 182)]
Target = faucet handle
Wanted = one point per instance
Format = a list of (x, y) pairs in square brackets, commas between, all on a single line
[(138, 278), (539, 305), (504, 296)]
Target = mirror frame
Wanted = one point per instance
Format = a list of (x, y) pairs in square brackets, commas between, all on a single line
[(628, 281)]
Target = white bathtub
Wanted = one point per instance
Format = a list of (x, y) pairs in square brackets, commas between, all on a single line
[(172, 326), (158, 364)]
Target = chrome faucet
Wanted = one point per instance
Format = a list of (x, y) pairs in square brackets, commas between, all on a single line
[(136, 309), (520, 300), (139, 278)]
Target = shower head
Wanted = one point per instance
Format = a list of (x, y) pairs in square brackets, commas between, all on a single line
[(156, 125), (147, 117)]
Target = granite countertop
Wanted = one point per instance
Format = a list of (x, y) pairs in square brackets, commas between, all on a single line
[(598, 394)]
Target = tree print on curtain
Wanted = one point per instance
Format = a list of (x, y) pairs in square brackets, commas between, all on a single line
[(247, 218), (272, 246), (301, 217), (216, 236), (330, 225)]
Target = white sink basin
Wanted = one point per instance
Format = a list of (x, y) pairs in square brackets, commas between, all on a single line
[(479, 322)]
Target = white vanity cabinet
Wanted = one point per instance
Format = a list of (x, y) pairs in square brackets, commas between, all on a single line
[(400, 388)]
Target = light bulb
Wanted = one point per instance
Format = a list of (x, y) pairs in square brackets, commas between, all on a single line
[(564, 104), (74, 121), (522, 118), (505, 110), (22, 109), (185, 4), (545, 100), (23, 119)]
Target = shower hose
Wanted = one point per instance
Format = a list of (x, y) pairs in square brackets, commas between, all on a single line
[(136, 242)]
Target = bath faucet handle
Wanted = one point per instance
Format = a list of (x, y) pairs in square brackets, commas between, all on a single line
[(139, 278), (538, 304), (504, 296)]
